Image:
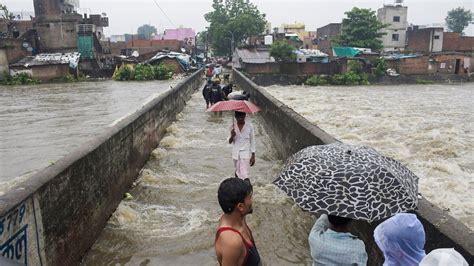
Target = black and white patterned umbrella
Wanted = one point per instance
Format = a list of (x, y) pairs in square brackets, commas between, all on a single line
[(349, 181)]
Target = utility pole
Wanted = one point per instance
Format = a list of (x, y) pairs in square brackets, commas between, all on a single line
[(232, 47)]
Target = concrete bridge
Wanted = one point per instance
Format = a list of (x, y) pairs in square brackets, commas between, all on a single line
[(56, 216)]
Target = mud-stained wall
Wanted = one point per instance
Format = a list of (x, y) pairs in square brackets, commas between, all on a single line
[(54, 217), (290, 132)]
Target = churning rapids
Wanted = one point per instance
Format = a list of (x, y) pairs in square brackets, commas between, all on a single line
[(429, 128), (174, 214), (42, 123)]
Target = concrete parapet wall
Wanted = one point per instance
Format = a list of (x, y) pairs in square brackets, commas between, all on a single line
[(55, 216), (290, 132)]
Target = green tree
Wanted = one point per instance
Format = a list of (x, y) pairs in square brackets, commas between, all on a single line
[(201, 40), (145, 32), (361, 28), (239, 17), (8, 17), (458, 19), (282, 51)]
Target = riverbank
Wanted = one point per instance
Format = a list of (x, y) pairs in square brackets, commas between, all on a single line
[(284, 80), (43, 122)]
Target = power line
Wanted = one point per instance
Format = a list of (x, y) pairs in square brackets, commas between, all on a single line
[(156, 3)]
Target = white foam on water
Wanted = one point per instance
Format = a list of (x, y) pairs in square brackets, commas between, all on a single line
[(158, 153), (157, 220), (427, 128), (168, 142)]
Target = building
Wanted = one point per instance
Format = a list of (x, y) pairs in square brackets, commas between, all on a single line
[(309, 40), (325, 35), (46, 67), (144, 46), (56, 25), (185, 35), (453, 41), (425, 40), (296, 28), (117, 38), (18, 28), (268, 28), (395, 33), (244, 56)]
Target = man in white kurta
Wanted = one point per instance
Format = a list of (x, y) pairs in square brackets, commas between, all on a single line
[(242, 136)]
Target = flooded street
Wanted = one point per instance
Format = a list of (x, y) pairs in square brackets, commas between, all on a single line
[(42, 123), (429, 128), (173, 217)]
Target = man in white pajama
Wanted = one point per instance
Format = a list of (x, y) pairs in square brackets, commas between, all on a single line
[(242, 136)]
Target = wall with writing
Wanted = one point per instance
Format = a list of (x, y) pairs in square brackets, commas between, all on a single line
[(21, 234)]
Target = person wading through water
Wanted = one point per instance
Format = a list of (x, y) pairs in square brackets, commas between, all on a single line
[(242, 136), (234, 243)]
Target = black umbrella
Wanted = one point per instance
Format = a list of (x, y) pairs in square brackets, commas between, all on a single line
[(349, 181)]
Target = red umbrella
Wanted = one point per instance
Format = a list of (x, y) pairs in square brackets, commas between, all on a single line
[(234, 105)]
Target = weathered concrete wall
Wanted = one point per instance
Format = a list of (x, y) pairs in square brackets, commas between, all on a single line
[(453, 41), (55, 217), (334, 67), (291, 132), (3, 62), (14, 49)]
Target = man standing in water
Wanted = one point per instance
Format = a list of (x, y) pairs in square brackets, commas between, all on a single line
[(242, 136), (234, 243)]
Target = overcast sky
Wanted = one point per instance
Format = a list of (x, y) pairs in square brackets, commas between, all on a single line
[(125, 16)]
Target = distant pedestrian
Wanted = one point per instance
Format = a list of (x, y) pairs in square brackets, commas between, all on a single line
[(227, 89), (216, 93), (206, 93), (217, 71), (234, 242), (209, 73), (238, 95), (226, 78), (242, 136)]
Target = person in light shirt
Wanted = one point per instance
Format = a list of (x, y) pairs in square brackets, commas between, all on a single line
[(242, 136)]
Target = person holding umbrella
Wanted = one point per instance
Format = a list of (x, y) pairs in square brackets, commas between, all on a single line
[(346, 182), (242, 136), (332, 244)]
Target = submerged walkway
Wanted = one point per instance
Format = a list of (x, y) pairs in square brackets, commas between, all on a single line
[(174, 214)]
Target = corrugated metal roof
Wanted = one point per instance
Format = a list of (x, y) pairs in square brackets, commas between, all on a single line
[(72, 59), (255, 56)]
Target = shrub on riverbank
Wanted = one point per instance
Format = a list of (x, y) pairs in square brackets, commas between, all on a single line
[(19, 79), (348, 78), (144, 72), (380, 67), (424, 81), (316, 80)]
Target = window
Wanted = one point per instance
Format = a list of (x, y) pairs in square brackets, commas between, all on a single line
[(436, 37), (395, 37), (396, 19)]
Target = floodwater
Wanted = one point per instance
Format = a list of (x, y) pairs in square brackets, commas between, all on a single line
[(173, 217), (429, 128), (42, 123)]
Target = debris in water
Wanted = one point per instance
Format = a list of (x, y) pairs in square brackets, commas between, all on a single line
[(128, 196)]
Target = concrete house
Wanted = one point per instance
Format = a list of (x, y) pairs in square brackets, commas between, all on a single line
[(396, 18), (425, 40)]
